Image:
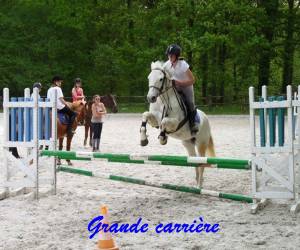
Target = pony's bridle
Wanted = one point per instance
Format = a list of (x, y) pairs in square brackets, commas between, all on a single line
[(160, 90), (166, 101)]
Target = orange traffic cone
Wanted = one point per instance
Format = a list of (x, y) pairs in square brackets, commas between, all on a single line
[(105, 241)]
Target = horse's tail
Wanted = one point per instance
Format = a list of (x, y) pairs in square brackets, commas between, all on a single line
[(211, 148)]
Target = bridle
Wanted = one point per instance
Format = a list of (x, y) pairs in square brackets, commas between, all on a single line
[(166, 100), (162, 88)]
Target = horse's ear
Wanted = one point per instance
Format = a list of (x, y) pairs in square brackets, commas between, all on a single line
[(152, 65)]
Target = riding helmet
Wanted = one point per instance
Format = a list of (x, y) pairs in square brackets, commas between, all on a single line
[(173, 49)]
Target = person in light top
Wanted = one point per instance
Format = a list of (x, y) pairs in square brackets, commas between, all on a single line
[(62, 106), (184, 80), (98, 111)]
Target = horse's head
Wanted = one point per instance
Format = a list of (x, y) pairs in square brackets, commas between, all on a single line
[(110, 102), (159, 81)]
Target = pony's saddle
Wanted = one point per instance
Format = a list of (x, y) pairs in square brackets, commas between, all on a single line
[(187, 112), (63, 118)]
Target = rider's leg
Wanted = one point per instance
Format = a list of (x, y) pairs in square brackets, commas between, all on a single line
[(72, 116), (192, 111)]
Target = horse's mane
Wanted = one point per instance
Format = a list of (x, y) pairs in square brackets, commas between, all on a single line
[(76, 104), (160, 65), (157, 65)]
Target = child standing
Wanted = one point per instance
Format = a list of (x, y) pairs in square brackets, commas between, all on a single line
[(98, 110)]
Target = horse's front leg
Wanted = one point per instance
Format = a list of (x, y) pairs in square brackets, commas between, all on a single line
[(60, 147), (69, 140), (190, 148), (167, 124), (147, 117), (86, 133)]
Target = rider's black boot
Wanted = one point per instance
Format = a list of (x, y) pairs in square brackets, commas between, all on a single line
[(193, 125)]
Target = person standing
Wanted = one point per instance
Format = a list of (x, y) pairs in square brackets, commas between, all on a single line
[(98, 111), (36, 85)]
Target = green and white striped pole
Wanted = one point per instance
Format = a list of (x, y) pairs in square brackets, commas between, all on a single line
[(153, 159), (236, 197)]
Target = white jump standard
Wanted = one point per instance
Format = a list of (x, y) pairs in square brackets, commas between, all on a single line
[(275, 153), (273, 159), (28, 123)]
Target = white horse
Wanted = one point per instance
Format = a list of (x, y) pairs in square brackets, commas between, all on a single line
[(167, 112)]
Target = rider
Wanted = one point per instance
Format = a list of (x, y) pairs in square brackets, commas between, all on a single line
[(183, 79), (77, 91), (62, 106)]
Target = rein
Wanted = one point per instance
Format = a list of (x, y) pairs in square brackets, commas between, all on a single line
[(161, 89), (166, 101)]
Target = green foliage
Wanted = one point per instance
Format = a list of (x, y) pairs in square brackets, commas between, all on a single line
[(111, 44)]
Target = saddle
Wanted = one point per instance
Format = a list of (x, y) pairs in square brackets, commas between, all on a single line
[(188, 113)]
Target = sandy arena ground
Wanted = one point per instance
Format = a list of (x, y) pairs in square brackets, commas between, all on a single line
[(60, 222)]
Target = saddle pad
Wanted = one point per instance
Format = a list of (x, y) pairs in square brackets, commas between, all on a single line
[(197, 117), (63, 118)]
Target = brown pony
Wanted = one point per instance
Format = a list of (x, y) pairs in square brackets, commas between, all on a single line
[(78, 107), (109, 102)]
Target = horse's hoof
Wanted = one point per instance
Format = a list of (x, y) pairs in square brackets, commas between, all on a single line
[(200, 183), (144, 142), (163, 140)]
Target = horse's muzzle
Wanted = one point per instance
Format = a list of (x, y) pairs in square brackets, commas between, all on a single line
[(152, 99)]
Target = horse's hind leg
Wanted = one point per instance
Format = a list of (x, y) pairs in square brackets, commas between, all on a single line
[(199, 171), (190, 147)]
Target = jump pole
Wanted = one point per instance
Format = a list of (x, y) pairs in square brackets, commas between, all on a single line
[(185, 189), (182, 161)]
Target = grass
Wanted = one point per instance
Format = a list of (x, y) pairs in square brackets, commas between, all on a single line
[(132, 107), (226, 109)]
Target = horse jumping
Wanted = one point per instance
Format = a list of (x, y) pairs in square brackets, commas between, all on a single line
[(167, 112)]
